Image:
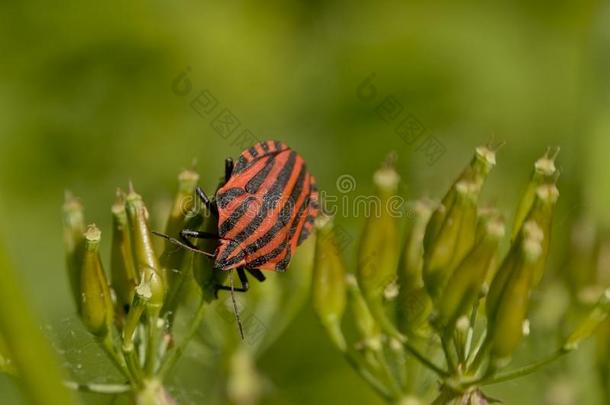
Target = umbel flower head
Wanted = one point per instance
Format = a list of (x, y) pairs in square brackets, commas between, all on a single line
[(144, 315), (444, 289)]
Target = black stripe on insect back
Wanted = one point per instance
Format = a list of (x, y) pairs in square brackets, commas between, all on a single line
[(259, 178), (223, 199), (305, 232), (284, 246), (269, 200), (283, 219), (271, 255), (235, 216), (244, 162)]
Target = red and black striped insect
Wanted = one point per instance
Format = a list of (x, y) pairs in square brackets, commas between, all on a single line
[(265, 209)]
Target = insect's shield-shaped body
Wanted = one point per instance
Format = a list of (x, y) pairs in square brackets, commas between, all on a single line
[(265, 209)]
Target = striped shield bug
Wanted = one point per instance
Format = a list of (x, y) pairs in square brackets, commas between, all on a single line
[(265, 209)]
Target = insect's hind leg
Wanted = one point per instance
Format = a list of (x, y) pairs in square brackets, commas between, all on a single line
[(257, 274), (243, 280)]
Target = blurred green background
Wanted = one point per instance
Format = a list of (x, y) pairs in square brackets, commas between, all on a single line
[(87, 105)]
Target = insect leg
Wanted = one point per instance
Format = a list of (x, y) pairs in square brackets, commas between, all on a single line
[(206, 201), (185, 243), (187, 233), (257, 274), (243, 279), (228, 168)]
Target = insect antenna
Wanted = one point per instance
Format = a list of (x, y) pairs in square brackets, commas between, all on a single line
[(182, 244), (235, 309)]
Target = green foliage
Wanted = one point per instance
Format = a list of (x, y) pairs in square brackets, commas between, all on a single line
[(24, 351), (155, 313), (455, 258)]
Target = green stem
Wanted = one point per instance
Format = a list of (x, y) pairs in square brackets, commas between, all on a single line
[(423, 360), (174, 355), (119, 362), (459, 343), (468, 349), (131, 360), (152, 341), (520, 372), (389, 376), (112, 389), (361, 368), (478, 353), (448, 357)]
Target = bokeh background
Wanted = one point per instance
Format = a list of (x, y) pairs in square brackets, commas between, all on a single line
[(88, 102)]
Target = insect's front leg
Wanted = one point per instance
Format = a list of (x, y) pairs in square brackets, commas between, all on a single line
[(228, 168), (188, 233), (209, 204)]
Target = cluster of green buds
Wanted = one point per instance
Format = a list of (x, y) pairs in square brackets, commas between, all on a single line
[(445, 290), (587, 279), (147, 309)]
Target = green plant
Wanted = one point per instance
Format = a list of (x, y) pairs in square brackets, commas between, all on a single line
[(24, 351), (156, 304), (443, 292), (586, 277)]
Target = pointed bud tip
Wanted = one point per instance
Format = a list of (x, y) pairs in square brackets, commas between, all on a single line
[(545, 166), (424, 207), (324, 222), (463, 323), (487, 155), (71, 202), (119, 202), (606, 296), (93, 233), (188, 175), (132, 195), (386, 178), (350, 280), (495, 228)]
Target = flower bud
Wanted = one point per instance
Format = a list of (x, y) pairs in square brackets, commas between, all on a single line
[(122, 268), (151, 286), (542, 212), (183, 206), (329, 289), (293, 288), (507, 310), (592, 322), (366, 324), (378, 251), (6, 363), (413, 304), (544, 172), (476, 172), (96, 303), (74, 227), (581, 259), (464, 286), (455, 238), (206, 276), (602, 356)]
